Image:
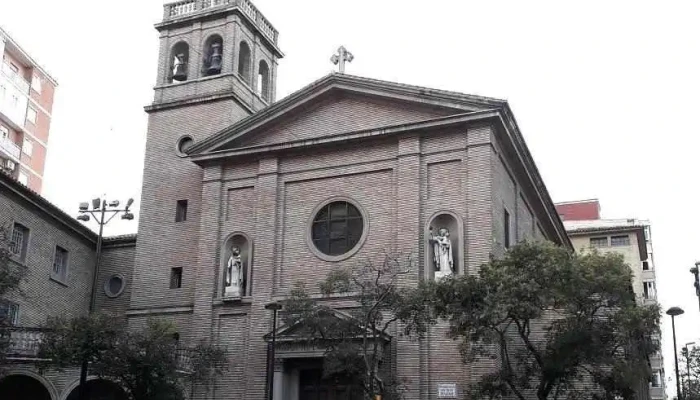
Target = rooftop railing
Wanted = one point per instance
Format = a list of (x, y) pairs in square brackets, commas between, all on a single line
[(190, 7)]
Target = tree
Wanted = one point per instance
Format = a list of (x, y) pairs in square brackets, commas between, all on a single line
[(354, 341), (11, 275), (147, 364), (557, 321), (691, 363)]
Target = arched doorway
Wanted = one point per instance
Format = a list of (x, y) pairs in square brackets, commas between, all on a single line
[(100, 389), (23, 387)]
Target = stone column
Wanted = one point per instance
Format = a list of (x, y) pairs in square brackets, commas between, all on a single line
[(408, 241), (279, 389)]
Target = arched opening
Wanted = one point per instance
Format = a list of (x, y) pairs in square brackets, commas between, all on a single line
[(99, 389), (237, 267), (179, 61), (213, 54), (444, 246), (22, 387), (264, 80), (244, 62)]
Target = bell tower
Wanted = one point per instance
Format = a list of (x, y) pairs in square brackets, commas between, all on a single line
[(217, 64)]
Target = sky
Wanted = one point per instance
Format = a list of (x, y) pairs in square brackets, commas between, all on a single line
[(604, 92)]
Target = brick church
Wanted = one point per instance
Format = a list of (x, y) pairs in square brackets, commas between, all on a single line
[(339, 171)]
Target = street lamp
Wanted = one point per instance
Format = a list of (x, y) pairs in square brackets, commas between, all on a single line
[(694, 271), (100, 208), (275, 307), (673, 312), (686, 352)]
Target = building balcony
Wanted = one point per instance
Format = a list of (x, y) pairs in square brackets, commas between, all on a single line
[(185, 8), (9, 149), (15, 78), (656, 393), (25, 342)]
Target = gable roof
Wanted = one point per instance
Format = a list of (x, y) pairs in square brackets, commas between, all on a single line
[(467, 108), (460, 102)]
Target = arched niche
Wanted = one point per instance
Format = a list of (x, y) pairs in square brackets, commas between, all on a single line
[(229, 263), (213, 52), (179, 62), (455, 227), (264, 80)]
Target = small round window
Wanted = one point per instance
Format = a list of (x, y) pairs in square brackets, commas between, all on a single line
[(184, 144), (114, 286), (337, 228)]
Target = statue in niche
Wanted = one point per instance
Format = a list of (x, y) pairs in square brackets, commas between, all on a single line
[(442, 253), (234, 273), (179, 68)]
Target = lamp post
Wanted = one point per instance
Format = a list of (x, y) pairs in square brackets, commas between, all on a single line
[(275, 307), (673, 312), (100, 209), (694, 271), (686, 352)]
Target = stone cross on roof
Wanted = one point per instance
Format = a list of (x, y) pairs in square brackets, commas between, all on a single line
[(341, 57)]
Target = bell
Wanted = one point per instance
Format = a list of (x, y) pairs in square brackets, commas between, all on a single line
[(180, 68), (214, 59)]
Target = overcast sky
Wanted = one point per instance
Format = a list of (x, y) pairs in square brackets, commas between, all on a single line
[(604, 92)]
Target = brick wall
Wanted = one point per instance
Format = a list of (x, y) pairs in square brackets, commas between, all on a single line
[(44, 296)]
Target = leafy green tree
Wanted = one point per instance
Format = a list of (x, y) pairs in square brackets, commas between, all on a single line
[(690, 362), (11, 275), (558, 322), (147, 364), (354, 339)]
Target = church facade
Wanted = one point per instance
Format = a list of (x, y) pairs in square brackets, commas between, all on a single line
[(243, 197)]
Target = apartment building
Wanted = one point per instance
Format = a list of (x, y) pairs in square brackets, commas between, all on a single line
[(629, 237), (26, 101)]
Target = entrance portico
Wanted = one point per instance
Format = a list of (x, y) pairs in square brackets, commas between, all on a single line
[(298, 366)]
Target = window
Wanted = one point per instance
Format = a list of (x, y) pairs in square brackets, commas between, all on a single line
[(4, 132), (649, 290), (20, 239), (31, 115), (181, 211), (264, 80), (114, 286), (645, 265), (176, 278), (506, 229), (623, 240), (244, 62), (36, 83), (656, 379), (9, 312), (60, 264), (23, 178), (337, 228), (28, 147), (599, 242), (14, 68)]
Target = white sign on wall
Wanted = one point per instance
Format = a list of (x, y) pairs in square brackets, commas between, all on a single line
[(447, 391)]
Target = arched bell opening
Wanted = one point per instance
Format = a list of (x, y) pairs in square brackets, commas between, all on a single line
[(444, 245), (236, 262), (179, 62), (244, 62), (213, 55), (264, 80)]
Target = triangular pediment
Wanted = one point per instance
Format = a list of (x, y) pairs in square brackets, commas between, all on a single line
[(339, 104), (296, 331)]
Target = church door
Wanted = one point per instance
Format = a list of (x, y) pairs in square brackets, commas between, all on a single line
[(312, 386)]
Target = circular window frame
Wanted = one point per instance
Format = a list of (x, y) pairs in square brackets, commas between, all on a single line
[(108, 293), (309, 229), (178, 144)]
